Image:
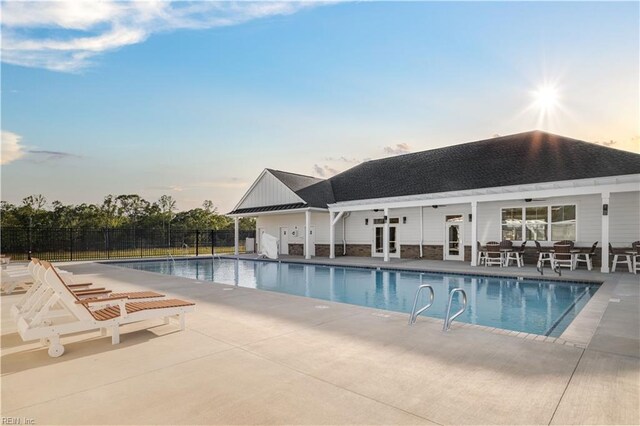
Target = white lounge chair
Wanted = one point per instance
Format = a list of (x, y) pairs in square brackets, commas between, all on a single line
[(92, 314), (40, 293)]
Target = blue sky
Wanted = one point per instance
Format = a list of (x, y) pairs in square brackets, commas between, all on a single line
[(195, 99)]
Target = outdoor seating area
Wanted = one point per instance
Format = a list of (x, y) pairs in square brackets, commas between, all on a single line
[(563, 254), (53, 305)]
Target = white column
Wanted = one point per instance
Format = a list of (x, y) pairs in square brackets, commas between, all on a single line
[(385, 235), (421, 229), (236, 236), (332, 237), (605, 233), (307, 229), (474, 233)]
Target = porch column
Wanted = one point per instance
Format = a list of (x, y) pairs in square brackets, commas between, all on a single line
[(307, 229), (474, 233), (385, 235), (236, 235), (605, 233), (332, 233), (421, 230)]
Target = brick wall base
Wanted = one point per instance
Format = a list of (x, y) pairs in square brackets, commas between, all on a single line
[(296, 249)]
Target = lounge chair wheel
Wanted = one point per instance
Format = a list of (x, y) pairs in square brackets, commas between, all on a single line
[(56, 350)]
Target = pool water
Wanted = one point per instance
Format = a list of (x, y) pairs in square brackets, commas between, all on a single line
[(538, 307)]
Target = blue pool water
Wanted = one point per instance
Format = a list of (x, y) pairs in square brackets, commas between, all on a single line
[(538, 307)]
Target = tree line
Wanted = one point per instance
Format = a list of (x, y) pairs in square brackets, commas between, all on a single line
[(121, 211)]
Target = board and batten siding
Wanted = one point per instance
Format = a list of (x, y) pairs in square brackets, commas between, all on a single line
[(269, 191)]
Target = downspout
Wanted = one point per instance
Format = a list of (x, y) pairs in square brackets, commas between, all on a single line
[(344, 233), (421, 230)]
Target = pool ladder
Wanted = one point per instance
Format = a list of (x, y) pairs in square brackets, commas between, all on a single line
[(448, 317)]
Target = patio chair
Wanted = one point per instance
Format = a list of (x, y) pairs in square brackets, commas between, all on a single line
[(494, 255), (543, 256), (566, 242), (586, 257), (93, 314), (506, 244), (619, 258), (562, 255), (482, 254), (517, 255), (636, 257)]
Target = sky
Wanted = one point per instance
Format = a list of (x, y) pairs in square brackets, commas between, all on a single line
[(195, 99)]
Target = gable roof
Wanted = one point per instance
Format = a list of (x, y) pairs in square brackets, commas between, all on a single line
[(523, 158), (312, 191), (315, 192), (519, 159)]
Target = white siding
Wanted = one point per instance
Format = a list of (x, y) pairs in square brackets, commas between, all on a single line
[(624, 213), (269, 191), (624, 218), (295, 222)]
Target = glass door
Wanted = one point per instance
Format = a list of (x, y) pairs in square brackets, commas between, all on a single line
[(454, 244), (378, 241)]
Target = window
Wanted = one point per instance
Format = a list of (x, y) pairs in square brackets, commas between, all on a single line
[(537, 219), (533, 223), (512, 224), (563, 223), (393, 220)]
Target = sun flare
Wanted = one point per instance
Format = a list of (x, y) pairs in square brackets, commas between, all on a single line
[(546, 97)]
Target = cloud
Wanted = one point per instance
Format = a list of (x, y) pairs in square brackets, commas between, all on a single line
[(401, 148), (53, 155), (324, 171), (345, 160), (12, 150), (172, 188), (67, 35), (605, 143)]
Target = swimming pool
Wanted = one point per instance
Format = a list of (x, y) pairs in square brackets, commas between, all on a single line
[(538, 307)]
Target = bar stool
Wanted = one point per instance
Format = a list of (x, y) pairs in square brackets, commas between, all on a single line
[(618, 258), (543, 256), (518, 256)]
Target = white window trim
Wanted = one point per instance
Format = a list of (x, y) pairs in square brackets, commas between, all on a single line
[(524, 206)]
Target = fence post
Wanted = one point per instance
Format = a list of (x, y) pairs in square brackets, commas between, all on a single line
[(71, 243), (30, 242), (197, 242), (213, 242), (108, 244)]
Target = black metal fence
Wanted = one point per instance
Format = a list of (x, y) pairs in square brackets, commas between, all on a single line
[(62, 244)]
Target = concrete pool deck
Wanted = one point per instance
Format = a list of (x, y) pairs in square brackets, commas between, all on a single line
[(257, 357)]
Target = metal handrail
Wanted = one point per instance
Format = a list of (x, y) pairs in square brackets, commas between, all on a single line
[(449, 318), (414, 314), (170, 257)]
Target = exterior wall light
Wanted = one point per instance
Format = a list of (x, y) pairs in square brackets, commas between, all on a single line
[(366, 221), (605, 209), (404, 219)]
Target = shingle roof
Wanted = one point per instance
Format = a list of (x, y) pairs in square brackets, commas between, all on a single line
[(524, 158), (269, 208), (316, 192)]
